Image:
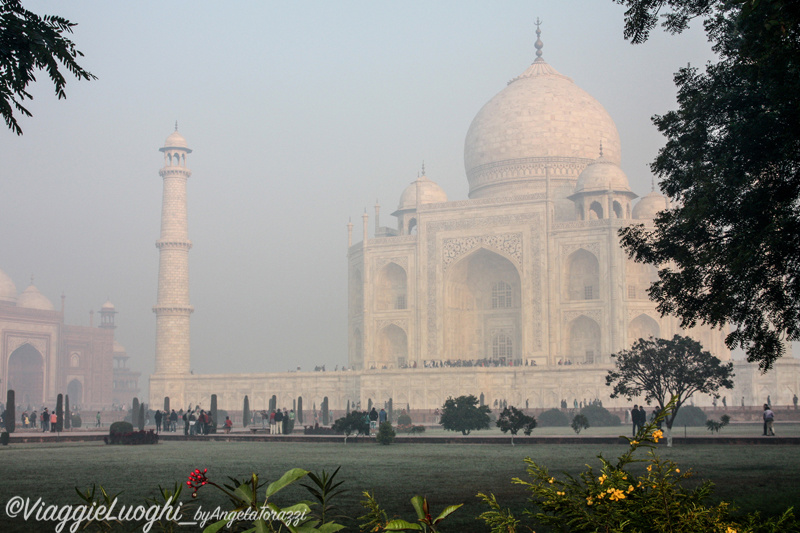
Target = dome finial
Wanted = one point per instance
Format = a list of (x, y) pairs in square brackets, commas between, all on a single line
[(539, 44), (176, 125), (423, 168), (652, 184), (601, 148)]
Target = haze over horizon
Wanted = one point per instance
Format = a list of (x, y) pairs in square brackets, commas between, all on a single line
[(299, 116)]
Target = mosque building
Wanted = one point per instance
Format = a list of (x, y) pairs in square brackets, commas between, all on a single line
[(41, 356), (521, 292)]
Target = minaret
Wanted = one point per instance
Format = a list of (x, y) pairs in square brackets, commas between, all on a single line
[(172, 308)]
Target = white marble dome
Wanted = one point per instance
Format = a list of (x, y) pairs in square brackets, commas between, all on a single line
[(8, 291), (540, 117), (650, 205), (429, 193), (602, 175), (108, 306), (31, 298), (175, 140)]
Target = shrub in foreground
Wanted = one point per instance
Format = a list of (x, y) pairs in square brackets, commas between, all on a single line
[(598, 416), (121, 427), (553, 418)]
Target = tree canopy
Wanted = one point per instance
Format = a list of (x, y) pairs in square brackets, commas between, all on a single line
[(727, 248), (464, 414), (663, 370), (29, 43), (512, 419)]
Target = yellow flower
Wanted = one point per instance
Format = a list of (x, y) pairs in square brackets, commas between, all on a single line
[(633, 442), (560, 493), (640, 484), (625, 477), (589, 501), (552, 479), (730, 530), (678, 470), (657, 434), (630, 488), (649, 468), (602, 478)]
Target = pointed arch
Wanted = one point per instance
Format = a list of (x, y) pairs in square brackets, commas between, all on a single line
[(474, 288), (595, 211), (75, 392), (584, 340), (643, 327), (26, 375), (582, 276), (391, 288), (392, 347)]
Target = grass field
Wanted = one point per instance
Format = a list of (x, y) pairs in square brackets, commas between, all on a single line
[(755, 477)]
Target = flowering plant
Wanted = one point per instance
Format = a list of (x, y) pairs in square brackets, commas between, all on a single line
[(613, 499)]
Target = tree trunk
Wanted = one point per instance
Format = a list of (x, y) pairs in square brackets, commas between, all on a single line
[(669, 437)]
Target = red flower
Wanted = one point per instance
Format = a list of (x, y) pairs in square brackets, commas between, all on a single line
[(197, 479)]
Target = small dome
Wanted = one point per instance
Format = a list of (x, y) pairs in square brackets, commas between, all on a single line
[(429, 193), (118, 348), (108, 306), (650, 205), (175, 140), (602, 175), (31, 298), (8, 291)]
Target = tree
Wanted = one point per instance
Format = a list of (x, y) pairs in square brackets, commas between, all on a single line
[(325, 412), (354, 422), (512, 419), (579, 422), (213, 414), (11, 412), (67, 413), (134, 409), (726, 248), (166, 404), (140, 419), (59, 413), (386, 433), (463, 414), (667, 371), (246, 412), (29, 43), (300, 409)]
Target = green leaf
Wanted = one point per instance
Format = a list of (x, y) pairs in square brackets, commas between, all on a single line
[(402, 525), (287, 479), (444, 514), (330, 527), (216, 526), (419, 503)]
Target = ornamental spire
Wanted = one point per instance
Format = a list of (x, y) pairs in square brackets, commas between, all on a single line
[(539, 44)]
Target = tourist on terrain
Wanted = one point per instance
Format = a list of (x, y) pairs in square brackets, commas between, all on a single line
[(769, 418), (382, 416), (635, 419), (278, 422), (373, 418), (157, 416), (228, 424)]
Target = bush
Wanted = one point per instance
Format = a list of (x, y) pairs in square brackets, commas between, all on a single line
[(133, 437), (690, 416), (580, 422), (121, 427), (76, 420), (553, 417), (599, 416), (4, 438), (404, 419), (321, 430), (417, 429), (385, 433)]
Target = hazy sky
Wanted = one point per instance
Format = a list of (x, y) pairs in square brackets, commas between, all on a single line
[(300, 115)]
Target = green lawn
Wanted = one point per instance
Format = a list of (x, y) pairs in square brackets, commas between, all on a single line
[(755, 477)]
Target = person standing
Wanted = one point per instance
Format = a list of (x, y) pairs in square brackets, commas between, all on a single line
[(642, 417), (635, 419), (794, 401), (157, 416), (382, 416), (53, 421), (373, 418), (278, 421), (769, 418)]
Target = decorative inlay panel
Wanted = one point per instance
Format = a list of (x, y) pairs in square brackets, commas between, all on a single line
[(594, 314), (508, 243)]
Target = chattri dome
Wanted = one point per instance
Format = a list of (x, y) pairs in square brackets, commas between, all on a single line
[(429, 193), (602, 175), (648, 207), (175, 140), (8, 291), (541, 118), (31, 298)]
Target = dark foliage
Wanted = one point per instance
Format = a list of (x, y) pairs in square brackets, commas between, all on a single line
[(691, 416), (553, 418), (121, 427), (386, 433), (727, 248), (133, 437), (599, 416), (11, 412), (464, 414)]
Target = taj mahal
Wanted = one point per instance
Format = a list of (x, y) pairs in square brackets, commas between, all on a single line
[(521, 292)]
